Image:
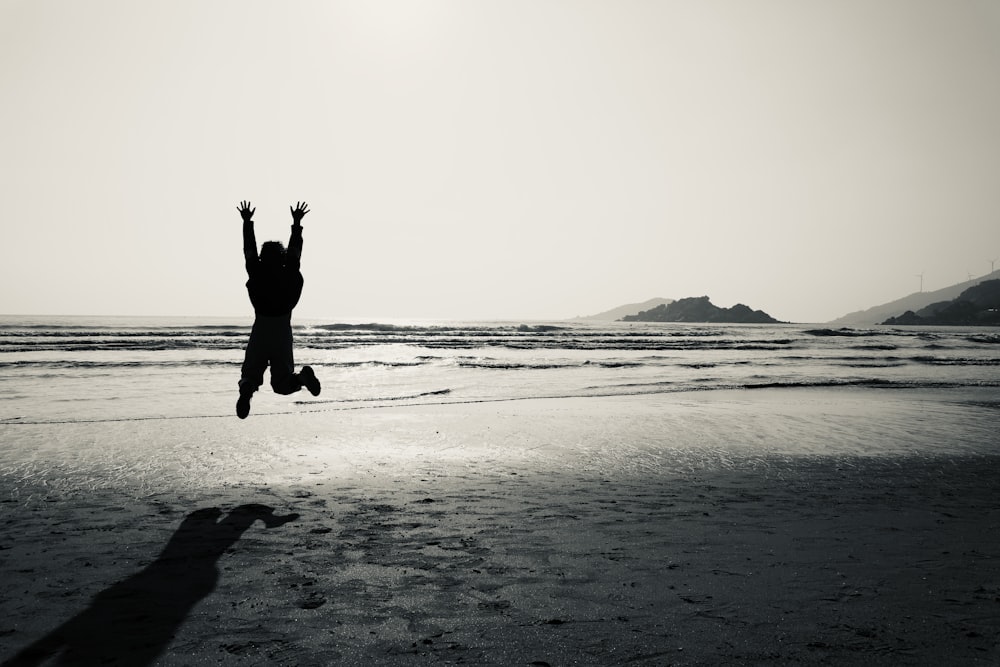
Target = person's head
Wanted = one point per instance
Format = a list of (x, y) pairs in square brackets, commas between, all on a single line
[(272, 253)]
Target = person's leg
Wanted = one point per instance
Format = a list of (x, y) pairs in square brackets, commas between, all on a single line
[(284, 379), (252, 372)]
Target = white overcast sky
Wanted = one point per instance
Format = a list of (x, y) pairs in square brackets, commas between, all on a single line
[(497, 159)]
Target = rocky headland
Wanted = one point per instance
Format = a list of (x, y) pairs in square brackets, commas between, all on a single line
[(700, 309), (977, 306)]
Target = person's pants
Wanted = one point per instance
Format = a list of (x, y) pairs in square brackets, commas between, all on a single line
[(270, 344)]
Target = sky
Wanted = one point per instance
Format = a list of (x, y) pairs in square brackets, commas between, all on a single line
[(497, 159)]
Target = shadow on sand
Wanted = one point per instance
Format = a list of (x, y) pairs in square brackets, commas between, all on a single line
[(133, 621)]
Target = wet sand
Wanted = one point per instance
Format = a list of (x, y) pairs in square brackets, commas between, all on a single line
[(723, 528)]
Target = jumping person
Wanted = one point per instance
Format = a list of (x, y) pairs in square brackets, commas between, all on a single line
[(274, 285)]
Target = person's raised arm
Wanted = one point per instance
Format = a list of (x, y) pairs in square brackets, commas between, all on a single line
[(249, 240), (294, 253)]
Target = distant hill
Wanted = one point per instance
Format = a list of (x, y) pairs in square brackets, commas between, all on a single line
[(620, 312), (978, 305), (914, 302), (700, 309)]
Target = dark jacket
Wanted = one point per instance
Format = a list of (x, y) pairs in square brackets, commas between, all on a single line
[(273, 290)]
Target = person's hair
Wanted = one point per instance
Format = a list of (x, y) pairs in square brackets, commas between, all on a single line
[(272, 253)]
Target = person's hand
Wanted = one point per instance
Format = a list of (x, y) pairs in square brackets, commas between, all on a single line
[(298, 212), (245, 211)]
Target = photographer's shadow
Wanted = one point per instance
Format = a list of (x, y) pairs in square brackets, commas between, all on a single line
[(133, 621)]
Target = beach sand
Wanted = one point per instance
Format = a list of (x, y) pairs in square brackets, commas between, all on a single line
[(853, 526)]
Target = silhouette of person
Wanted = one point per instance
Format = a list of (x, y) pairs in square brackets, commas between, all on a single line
[(274, 285), (132, 622)]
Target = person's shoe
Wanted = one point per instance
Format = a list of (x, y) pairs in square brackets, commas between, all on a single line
[(309, 380), (243, 406)]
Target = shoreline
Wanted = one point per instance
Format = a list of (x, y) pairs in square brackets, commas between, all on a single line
[(585, 532)]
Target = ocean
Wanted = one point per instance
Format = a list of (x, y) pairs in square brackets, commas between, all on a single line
[(501, 493), (108, 369)]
